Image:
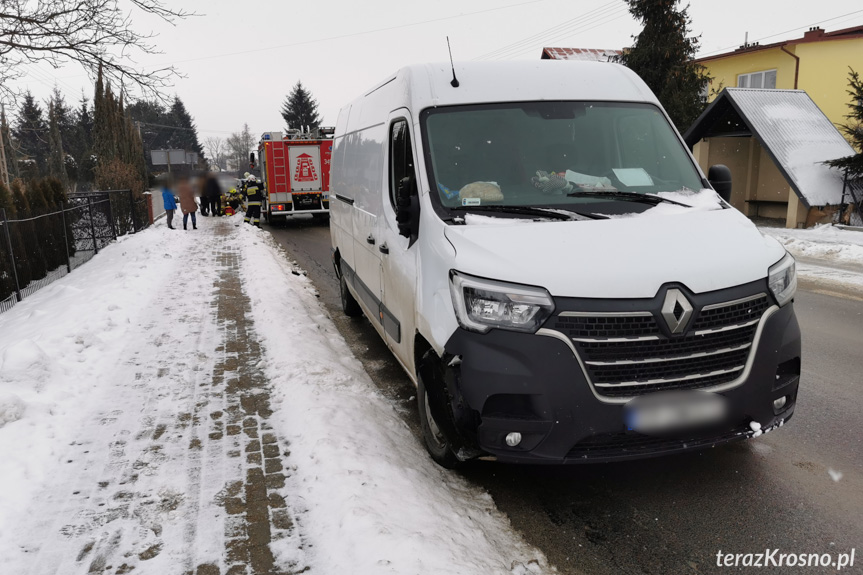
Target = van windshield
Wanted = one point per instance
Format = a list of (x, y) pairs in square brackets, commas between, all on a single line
[(558, 155)]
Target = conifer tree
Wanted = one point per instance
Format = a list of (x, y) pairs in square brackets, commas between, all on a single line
[(56, 155), (853, 129), (28, 263), (7, 278), (84, 149), (42, 243), (6, 142), (31, 136), (300, 109), (662, 55), (185, 138)]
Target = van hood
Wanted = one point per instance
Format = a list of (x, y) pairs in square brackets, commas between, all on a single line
[(619, 258)]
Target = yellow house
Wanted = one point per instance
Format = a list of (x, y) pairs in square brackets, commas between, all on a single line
[(817, 65)]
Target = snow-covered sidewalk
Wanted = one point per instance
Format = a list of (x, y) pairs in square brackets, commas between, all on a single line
[(182, 404), (828, 255)]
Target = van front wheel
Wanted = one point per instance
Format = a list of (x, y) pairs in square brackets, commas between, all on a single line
[(435, 441)]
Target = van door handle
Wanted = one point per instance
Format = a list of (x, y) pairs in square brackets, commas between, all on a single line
[(370, 239), (384, 249)]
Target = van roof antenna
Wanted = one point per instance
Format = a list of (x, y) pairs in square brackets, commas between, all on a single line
[(454, 82)]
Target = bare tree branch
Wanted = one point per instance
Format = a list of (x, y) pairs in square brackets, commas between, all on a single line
[(89, 32)]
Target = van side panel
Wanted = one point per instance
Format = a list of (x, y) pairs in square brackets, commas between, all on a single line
[(341, 224)]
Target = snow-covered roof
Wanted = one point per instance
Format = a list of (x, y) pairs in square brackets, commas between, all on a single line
[(790, 127), (590, 54)]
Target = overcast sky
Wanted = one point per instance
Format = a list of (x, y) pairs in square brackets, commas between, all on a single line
[(241, 60)]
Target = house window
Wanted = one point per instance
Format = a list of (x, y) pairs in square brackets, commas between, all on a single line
[(765, 79)]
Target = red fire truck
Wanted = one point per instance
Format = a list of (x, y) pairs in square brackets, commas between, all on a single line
[(296, 172)]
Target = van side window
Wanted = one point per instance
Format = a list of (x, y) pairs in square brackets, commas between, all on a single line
[(401, 157)]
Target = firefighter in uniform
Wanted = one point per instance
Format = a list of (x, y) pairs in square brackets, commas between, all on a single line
[(254, 195)]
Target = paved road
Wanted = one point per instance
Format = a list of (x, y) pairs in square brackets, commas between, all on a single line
[(673, 515)]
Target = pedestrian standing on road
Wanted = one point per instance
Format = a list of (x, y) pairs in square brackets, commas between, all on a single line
[(168, 200), (213, 194), (187, 202)]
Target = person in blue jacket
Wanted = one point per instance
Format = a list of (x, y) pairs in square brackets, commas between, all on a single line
[(169, 200)]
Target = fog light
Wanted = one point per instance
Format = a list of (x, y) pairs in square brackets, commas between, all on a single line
[(780, 403), (513, 438)]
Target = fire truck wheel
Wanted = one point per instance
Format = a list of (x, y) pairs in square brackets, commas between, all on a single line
[(349, 304), (321, 218)]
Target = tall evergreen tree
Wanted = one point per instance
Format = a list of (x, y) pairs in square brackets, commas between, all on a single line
[(56, 155), (7, 278), (6, 142), (300, 109), (31, 136), (185, 138), (83, 150), (853, 128), (65, 118), (28, 256), (662, 55)]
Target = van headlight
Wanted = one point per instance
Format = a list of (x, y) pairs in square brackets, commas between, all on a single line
[(482, 304), (782, 278)]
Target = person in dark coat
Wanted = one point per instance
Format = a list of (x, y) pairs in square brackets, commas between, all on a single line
[(169, 201), (212, 193), (202, 197)]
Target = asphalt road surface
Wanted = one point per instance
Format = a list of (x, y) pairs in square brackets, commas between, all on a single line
[(796, 490)]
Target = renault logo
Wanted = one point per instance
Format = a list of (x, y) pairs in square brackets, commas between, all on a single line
[(676, 310)]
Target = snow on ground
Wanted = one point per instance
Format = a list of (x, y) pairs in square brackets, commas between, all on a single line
[(829, 255), (826, 242), (115, 391)]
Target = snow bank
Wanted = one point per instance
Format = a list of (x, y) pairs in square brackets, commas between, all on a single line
[(824, 242), (366, 494)]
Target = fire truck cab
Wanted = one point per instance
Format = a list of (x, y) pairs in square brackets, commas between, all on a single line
[(295, 168)]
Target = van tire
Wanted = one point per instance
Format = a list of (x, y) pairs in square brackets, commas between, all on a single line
[(349, 304), (436, 443)]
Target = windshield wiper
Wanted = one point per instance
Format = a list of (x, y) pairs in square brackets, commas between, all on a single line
[(627, 196), (528, 211)]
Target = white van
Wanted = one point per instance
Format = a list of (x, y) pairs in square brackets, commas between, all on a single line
[(545, 259)]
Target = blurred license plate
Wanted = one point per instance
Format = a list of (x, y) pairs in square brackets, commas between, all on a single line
[(305, 201), (670, 411)]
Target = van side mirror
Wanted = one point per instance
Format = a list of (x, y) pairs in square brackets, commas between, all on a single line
[(407, 209), (719, 177)]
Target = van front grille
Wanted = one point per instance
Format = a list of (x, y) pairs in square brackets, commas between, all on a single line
[(627, 354)]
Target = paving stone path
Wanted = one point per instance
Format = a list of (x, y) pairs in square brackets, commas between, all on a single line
[(185, 473)]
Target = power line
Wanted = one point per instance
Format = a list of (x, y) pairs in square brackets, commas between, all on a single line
[(602, 21), (574, 22), (781, 33), (351, 35)]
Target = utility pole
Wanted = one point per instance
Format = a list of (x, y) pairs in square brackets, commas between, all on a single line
[(4, 169)]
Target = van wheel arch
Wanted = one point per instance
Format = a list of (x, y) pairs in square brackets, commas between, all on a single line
[(449, 437)]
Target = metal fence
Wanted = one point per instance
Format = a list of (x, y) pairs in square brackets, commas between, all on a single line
[(36, 249)]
